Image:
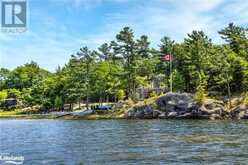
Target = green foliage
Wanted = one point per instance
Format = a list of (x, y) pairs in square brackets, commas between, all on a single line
[(236, 37), (179, 81), (26, 95), (200, 94), (130, 102), (3, 95), (120, 94), (193, 58), (24, 76), (237, 40), (9, 93), (153, 94), (15, 93), (58, 103), (115, 70), (246, 98), (244, 72), (4, 74)]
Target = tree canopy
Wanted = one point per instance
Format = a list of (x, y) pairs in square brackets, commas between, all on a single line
[(115, 70)]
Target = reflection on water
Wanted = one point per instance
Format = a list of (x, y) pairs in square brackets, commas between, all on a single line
[(125, 141)]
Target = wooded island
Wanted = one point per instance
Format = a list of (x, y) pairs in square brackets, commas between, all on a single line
[(128, 69)]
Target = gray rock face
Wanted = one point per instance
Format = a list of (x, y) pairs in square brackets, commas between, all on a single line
[(142, 112), (176, 102), (213, 109), (244, 115), (239, 112), (156, 113), (118, 105), (172, 114), (215, 117), (183, 106), (178, 105), (162, 115)]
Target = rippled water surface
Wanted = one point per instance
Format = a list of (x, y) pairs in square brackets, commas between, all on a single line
[(124, 142)]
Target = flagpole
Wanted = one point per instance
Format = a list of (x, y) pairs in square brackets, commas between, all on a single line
[(170, 72)]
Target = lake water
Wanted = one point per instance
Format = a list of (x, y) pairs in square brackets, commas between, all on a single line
[(63, 142)]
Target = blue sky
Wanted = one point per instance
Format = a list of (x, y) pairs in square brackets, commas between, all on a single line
[(58, 28)]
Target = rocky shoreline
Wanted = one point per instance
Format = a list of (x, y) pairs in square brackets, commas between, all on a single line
[(183, 106), (168, 106)]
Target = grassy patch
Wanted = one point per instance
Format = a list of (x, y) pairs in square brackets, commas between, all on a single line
[(9, 113), (20, 114)]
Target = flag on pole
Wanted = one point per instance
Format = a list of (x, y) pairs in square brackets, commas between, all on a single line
[(167, 57)]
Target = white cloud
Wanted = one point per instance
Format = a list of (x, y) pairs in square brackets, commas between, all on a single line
[(177, 18), (48, 52), (236, 11), (167, 17), (156, 18), (86, 4)]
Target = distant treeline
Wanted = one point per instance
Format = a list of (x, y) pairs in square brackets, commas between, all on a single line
[(115, 70)]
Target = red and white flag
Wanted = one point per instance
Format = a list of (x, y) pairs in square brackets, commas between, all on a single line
[(167, 57)]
